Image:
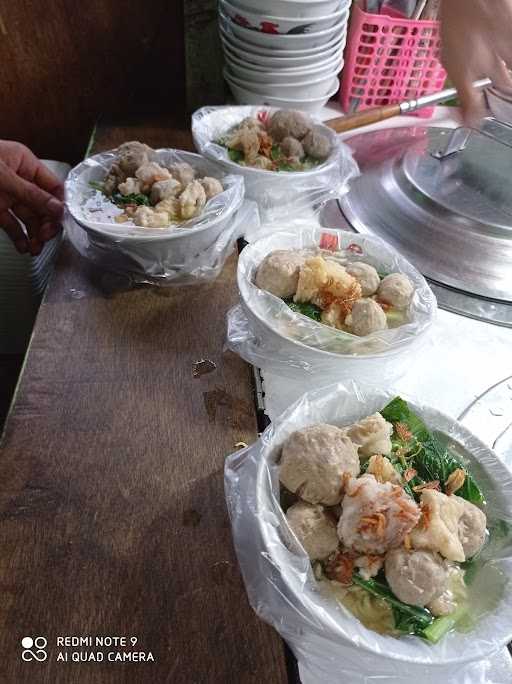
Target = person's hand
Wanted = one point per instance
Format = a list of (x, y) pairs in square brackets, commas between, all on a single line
[(477, 43), (30, 193)]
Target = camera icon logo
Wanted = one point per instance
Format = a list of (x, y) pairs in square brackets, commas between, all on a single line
[(34, 649)]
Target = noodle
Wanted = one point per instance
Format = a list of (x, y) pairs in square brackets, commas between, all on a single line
[(373, 612)]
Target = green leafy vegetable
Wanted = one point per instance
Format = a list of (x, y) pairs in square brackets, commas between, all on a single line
[(275, 152), (421, 450), (408, 619), (309, 310), (134, 198), (236, 156), (442, 625)]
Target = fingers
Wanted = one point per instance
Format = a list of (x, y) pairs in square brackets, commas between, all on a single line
[(501, 77), (46, 180), (472, 103), (14, 230), (28, 194), (49, 230)]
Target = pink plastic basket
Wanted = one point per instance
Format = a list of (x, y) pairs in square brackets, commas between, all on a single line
[(388, 60)]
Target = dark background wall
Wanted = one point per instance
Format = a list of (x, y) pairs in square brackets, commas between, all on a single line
[(64, 63)]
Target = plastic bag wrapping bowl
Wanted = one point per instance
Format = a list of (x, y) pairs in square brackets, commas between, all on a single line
[(279, 194), (168, 267), (329, 643), (175, 244), (268, 334)]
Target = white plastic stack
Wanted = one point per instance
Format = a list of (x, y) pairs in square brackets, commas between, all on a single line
[(22, 282), (283, 53)]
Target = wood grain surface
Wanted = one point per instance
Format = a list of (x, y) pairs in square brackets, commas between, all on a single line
[(112, 512), (63, 64)]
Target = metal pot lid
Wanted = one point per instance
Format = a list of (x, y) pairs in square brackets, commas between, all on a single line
[(443, 198)]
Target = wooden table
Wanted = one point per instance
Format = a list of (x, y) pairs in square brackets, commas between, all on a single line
[(112, 513)]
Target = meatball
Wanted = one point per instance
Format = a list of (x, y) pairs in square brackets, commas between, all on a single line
[(366, 276), (165, 189), (289, 123), (132, 155), (151, 173), (211, 186), (313, 463), (192, 200), (415, 577), (472, 527), (396, 289), (365, 318), (372, 435), (183, 173), (317, 144), (131, 186), (278, 273), (375, 516), (114, 177), (171, 207), (291, 147), (147, 218), (438, 529), (314, 529)]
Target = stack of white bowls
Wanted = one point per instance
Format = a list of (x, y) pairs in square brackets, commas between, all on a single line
[(283, 53)]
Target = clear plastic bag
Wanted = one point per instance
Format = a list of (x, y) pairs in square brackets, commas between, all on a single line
[(330, 644), (268, 334), (280, 194), (192, 250), (169, 267)]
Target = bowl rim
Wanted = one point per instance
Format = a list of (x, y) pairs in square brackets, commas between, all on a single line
[(396, 351), (290, 37), (298, 20), (292, 71), (248, 170), (261, 51), (273, 84), (446, 425), (164, 234), (234, 47), (335, 69), (293, 101)]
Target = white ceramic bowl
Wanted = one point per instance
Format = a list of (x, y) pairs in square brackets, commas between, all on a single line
[(253, 60), (307, 104), (234, 41), (284, 591), (298, 77), (307, 41), (150, 247), (283, 192), (256, 70), (268, 23), (305, 88), (291, 8), (331, 353)]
